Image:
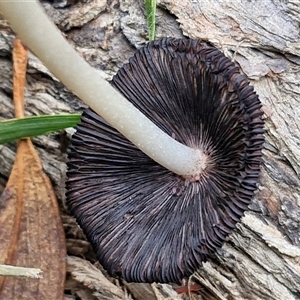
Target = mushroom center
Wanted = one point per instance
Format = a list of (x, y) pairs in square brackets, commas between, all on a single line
[(200, 166)]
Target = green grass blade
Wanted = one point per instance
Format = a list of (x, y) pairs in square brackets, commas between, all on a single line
[(15, 129), (150, 13)]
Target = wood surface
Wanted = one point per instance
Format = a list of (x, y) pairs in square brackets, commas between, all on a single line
[(261, 259)]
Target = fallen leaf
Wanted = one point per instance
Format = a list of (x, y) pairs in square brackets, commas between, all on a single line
[(31, 232)]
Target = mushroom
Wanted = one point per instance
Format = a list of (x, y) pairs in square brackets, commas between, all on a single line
[(155, 217), (146, 223)]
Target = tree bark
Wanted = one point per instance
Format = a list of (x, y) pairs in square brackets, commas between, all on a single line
[(261, 259)]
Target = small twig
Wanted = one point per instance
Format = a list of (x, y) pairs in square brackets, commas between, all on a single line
[(6, 270)]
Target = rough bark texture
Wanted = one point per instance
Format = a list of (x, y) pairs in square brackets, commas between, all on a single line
[(261, 259)]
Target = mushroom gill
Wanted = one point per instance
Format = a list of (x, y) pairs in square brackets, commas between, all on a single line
[(145, 223)]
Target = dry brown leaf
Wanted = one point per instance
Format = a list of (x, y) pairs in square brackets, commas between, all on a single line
[(31, 232)]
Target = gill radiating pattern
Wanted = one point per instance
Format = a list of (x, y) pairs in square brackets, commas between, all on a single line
[(145, 223)]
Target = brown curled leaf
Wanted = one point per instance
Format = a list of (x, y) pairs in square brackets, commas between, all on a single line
[(31, 232)]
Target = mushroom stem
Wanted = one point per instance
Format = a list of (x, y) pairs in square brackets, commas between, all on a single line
[(30, 22)]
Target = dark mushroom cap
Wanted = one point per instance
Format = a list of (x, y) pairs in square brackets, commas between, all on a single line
[(145, 223)]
